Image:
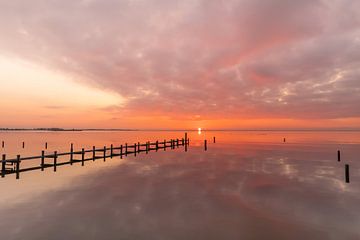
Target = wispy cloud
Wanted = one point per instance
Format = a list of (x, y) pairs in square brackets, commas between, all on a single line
[(207, 58)]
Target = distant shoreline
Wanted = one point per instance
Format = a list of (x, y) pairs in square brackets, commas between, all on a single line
[(173, 130), (61, 129)]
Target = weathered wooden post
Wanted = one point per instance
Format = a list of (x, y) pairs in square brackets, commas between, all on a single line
[(182, 142), (338, 155), (55, 160), (126, 149), (347, 173), (157, 145), (3, 165), (104, 153), (71, 153), (186, 137), (214, 140), (18, 167), (147, 147), (164, 144), (284, 140), (46, 145), (3, 144), (138, 147), (82, 156), (121, 151), (205, 145), (111, 151), (94, 153), (42, 160), (135, 149), (23, 144)]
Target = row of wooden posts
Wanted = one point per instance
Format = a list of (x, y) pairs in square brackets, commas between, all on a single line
[(205, 143), (46, 144), (347, 168), (23, 144), (184, 142), (122, 150)]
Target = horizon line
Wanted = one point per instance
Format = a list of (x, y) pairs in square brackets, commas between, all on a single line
[(178, 130)]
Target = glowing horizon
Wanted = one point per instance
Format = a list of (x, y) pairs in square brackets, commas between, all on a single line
[(180, 65)]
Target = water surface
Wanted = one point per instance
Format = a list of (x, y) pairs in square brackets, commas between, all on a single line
[(248, 185)]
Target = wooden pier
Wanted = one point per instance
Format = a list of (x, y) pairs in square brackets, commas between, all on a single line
[(13, 166)]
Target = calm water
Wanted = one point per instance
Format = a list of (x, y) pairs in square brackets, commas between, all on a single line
[(248, 185)]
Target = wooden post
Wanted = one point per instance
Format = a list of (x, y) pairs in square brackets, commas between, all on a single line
[(157, 145), (104, 153), (164, 144), (3, 163), (147, 147), (177, 142), (138, 147), (42, 160), (82, 156), (186, 137), (347, 174), (71, 153), (55, 160), (46, 145), (284, 140), (126, 149), (94, 153), (23, 144), (338, 155), (182, 142), (3, 144), (18, 167), (135, 149), (214, 140), (111, 151), (121, 151), (205, 145)]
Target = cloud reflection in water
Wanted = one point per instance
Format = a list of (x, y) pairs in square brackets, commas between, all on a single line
[(257, 191)]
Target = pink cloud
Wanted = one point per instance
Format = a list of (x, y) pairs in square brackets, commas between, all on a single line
[(292, 59)]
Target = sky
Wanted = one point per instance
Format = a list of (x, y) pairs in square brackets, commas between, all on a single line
[(150, 64)]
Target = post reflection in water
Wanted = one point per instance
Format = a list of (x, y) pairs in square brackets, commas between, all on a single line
[(248, 185)]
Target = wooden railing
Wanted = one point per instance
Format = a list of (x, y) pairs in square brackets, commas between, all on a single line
[(13, 166)]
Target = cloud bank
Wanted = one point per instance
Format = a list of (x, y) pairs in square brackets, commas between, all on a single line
[(199, 58)]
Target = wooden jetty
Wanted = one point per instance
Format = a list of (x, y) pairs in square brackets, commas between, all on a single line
[(12, 166)]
